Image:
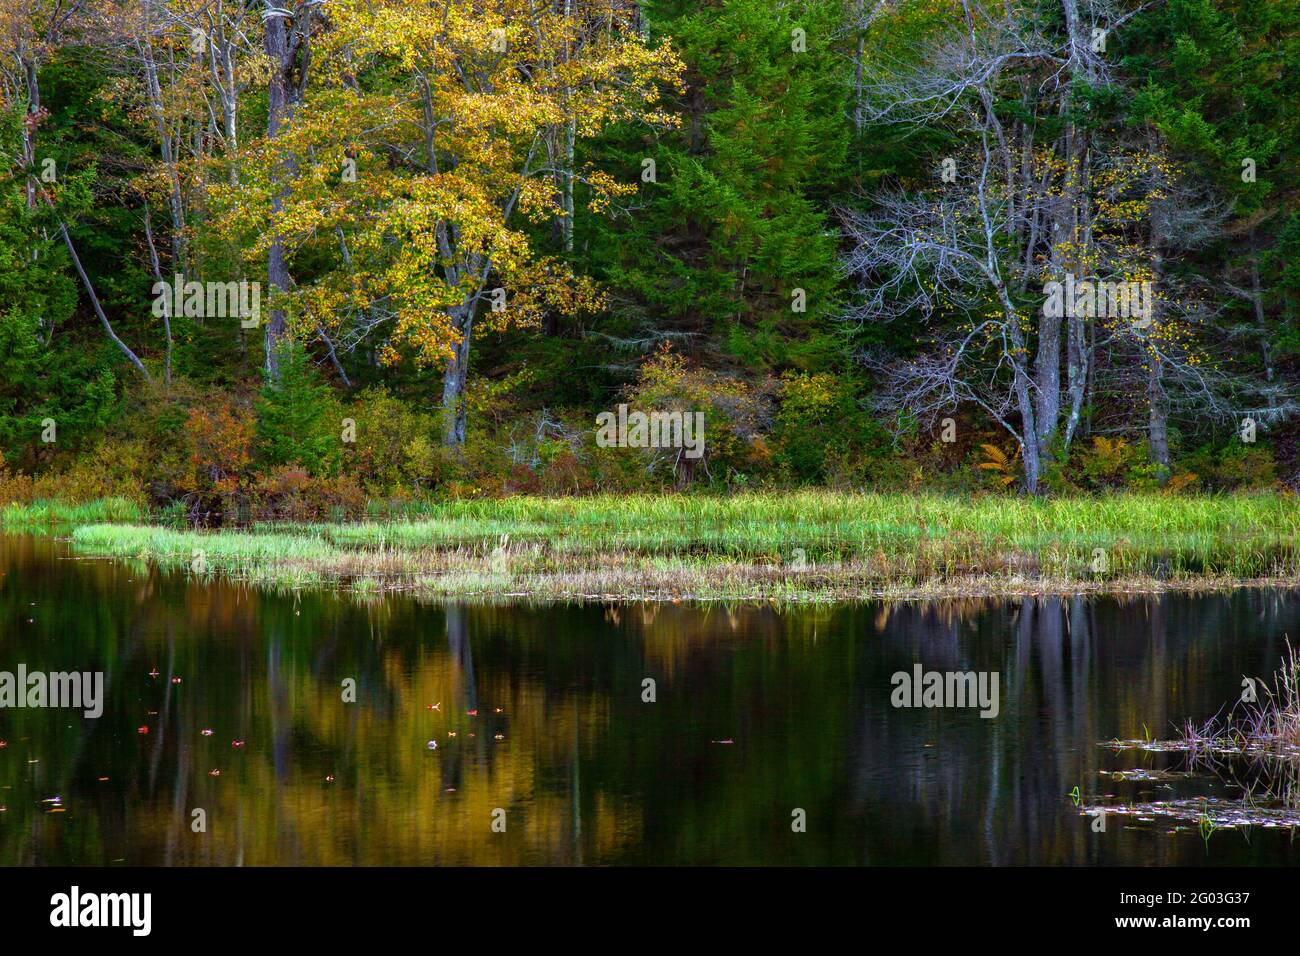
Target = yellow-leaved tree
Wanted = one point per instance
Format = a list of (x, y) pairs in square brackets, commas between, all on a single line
[(408, 183)]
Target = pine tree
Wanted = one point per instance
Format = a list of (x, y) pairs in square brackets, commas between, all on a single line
[(292, 416), (736, 223)]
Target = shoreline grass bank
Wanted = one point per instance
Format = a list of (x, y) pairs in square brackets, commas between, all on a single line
[(813, 545)]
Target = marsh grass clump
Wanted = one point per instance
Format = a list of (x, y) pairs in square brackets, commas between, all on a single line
[(1273, 719), (46, 515), (1265, 720), (1253, 748), (1256, 744), (811, 545)]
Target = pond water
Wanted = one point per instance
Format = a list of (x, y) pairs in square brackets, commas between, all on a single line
[(229, 700)]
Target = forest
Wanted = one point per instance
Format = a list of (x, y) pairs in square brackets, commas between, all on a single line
[(700, 433), (293, 259)]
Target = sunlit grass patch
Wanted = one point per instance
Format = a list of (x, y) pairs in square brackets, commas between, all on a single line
[(813, 543)]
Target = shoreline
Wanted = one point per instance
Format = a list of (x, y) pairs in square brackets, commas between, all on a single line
[(801, 547), (718, 585)]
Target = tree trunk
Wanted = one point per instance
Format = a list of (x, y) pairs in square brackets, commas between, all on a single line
[(1031, 449), (29, 127), (1076, 377), (455, 377), (1031, 454), (166, 144), (1073, 225), (167, 304), (1157, 431), (99, 310), (1078, 356), (289, 58), (1157, 400), (230, 109), (858, 54), (1048, 376), (570, 134), (1261, 319)]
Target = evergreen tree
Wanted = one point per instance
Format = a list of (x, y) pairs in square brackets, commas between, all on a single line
[(736, 221), (293, 416), (1222, 78), (44, 373)]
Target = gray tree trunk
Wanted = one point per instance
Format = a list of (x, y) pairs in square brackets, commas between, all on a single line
[(1261, 320), (1048, 377), (1157, 400), (1157, 430), (457, 373), (289, 54)]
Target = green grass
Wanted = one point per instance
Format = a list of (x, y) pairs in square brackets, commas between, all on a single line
[(45, 514), (748, 546)]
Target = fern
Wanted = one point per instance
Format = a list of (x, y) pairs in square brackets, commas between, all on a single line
[(1002, 468)]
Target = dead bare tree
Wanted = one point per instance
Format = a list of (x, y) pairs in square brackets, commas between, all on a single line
[(1031, 197)]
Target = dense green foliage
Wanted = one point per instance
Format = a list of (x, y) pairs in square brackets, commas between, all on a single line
[(724, 272)]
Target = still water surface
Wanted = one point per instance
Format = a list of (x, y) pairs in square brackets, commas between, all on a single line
[(539, 711)]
